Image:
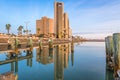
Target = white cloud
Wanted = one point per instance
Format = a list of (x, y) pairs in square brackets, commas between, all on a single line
[(102, 19), (96, 35)]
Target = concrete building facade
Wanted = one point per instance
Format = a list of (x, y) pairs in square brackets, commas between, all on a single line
[(44, 26), (61, 21), (59, 27), (70, 33), (58, 19), (66, 26)]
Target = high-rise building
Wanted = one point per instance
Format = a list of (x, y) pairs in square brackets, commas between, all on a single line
[(66, 26), (61, 21), (58, 19), (70, 33), (44, 26)]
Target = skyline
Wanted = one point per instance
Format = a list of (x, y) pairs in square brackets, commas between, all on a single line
[(85, 16)]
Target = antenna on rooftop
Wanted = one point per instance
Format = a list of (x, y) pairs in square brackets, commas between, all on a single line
[(27, 22)]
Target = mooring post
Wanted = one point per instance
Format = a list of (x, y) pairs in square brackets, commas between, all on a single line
[(40, 43), (110, 46), (106, 46), (16, 42), (116, 41), (109, 52), (50, 42), (30, 42), (16, 66), (12, 66)]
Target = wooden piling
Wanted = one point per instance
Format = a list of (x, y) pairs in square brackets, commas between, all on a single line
[(30, 42), (109, 45), (50, 42), (40, 44), (116, 41), (109, 52)]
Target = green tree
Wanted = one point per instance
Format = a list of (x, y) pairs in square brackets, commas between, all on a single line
[(20, 30), (24, 31), (8, 27)]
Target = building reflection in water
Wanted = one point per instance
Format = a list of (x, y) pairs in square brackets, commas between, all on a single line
[(59, 63), (9, 76), (61, 59), (13, 59), (60, 55), (72, 53), (44, 56)]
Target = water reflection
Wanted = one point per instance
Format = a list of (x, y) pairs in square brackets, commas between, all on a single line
[(44, 56), (72, 53), (9, 76), (61, 58), (109, 75), (13, 58), (59, 54)]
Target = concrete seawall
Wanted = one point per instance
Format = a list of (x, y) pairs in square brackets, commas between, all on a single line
[(24, 43)]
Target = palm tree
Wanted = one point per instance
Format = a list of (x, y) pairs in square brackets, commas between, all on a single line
[(8, 27), (24, 31), (20, 30)]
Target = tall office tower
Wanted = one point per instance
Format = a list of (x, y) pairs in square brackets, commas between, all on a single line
[(66, 26), (44, 26), (58, 19)]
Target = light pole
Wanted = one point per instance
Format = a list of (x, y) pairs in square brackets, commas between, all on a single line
[(27, 27)]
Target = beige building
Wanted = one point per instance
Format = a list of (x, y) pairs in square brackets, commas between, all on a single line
[(61, 21), (70, 33), (44, 26), (66, 26), (60, 28), (58, 19)]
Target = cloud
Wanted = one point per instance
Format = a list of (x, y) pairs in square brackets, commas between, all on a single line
[(105, 18)]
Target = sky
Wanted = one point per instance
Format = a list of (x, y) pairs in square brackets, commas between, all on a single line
[(85, 16)]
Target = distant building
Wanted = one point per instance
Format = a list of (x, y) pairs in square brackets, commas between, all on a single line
[(44, 26), (58, 19), (66, 26), (70, 33), (61, 21)]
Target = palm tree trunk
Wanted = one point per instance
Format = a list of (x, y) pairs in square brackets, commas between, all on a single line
[(8, 31), (21, 32)]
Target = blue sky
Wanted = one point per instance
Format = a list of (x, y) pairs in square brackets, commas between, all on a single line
[(86, 16)]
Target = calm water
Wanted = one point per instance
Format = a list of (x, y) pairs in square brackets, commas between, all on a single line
[(83, 61)]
